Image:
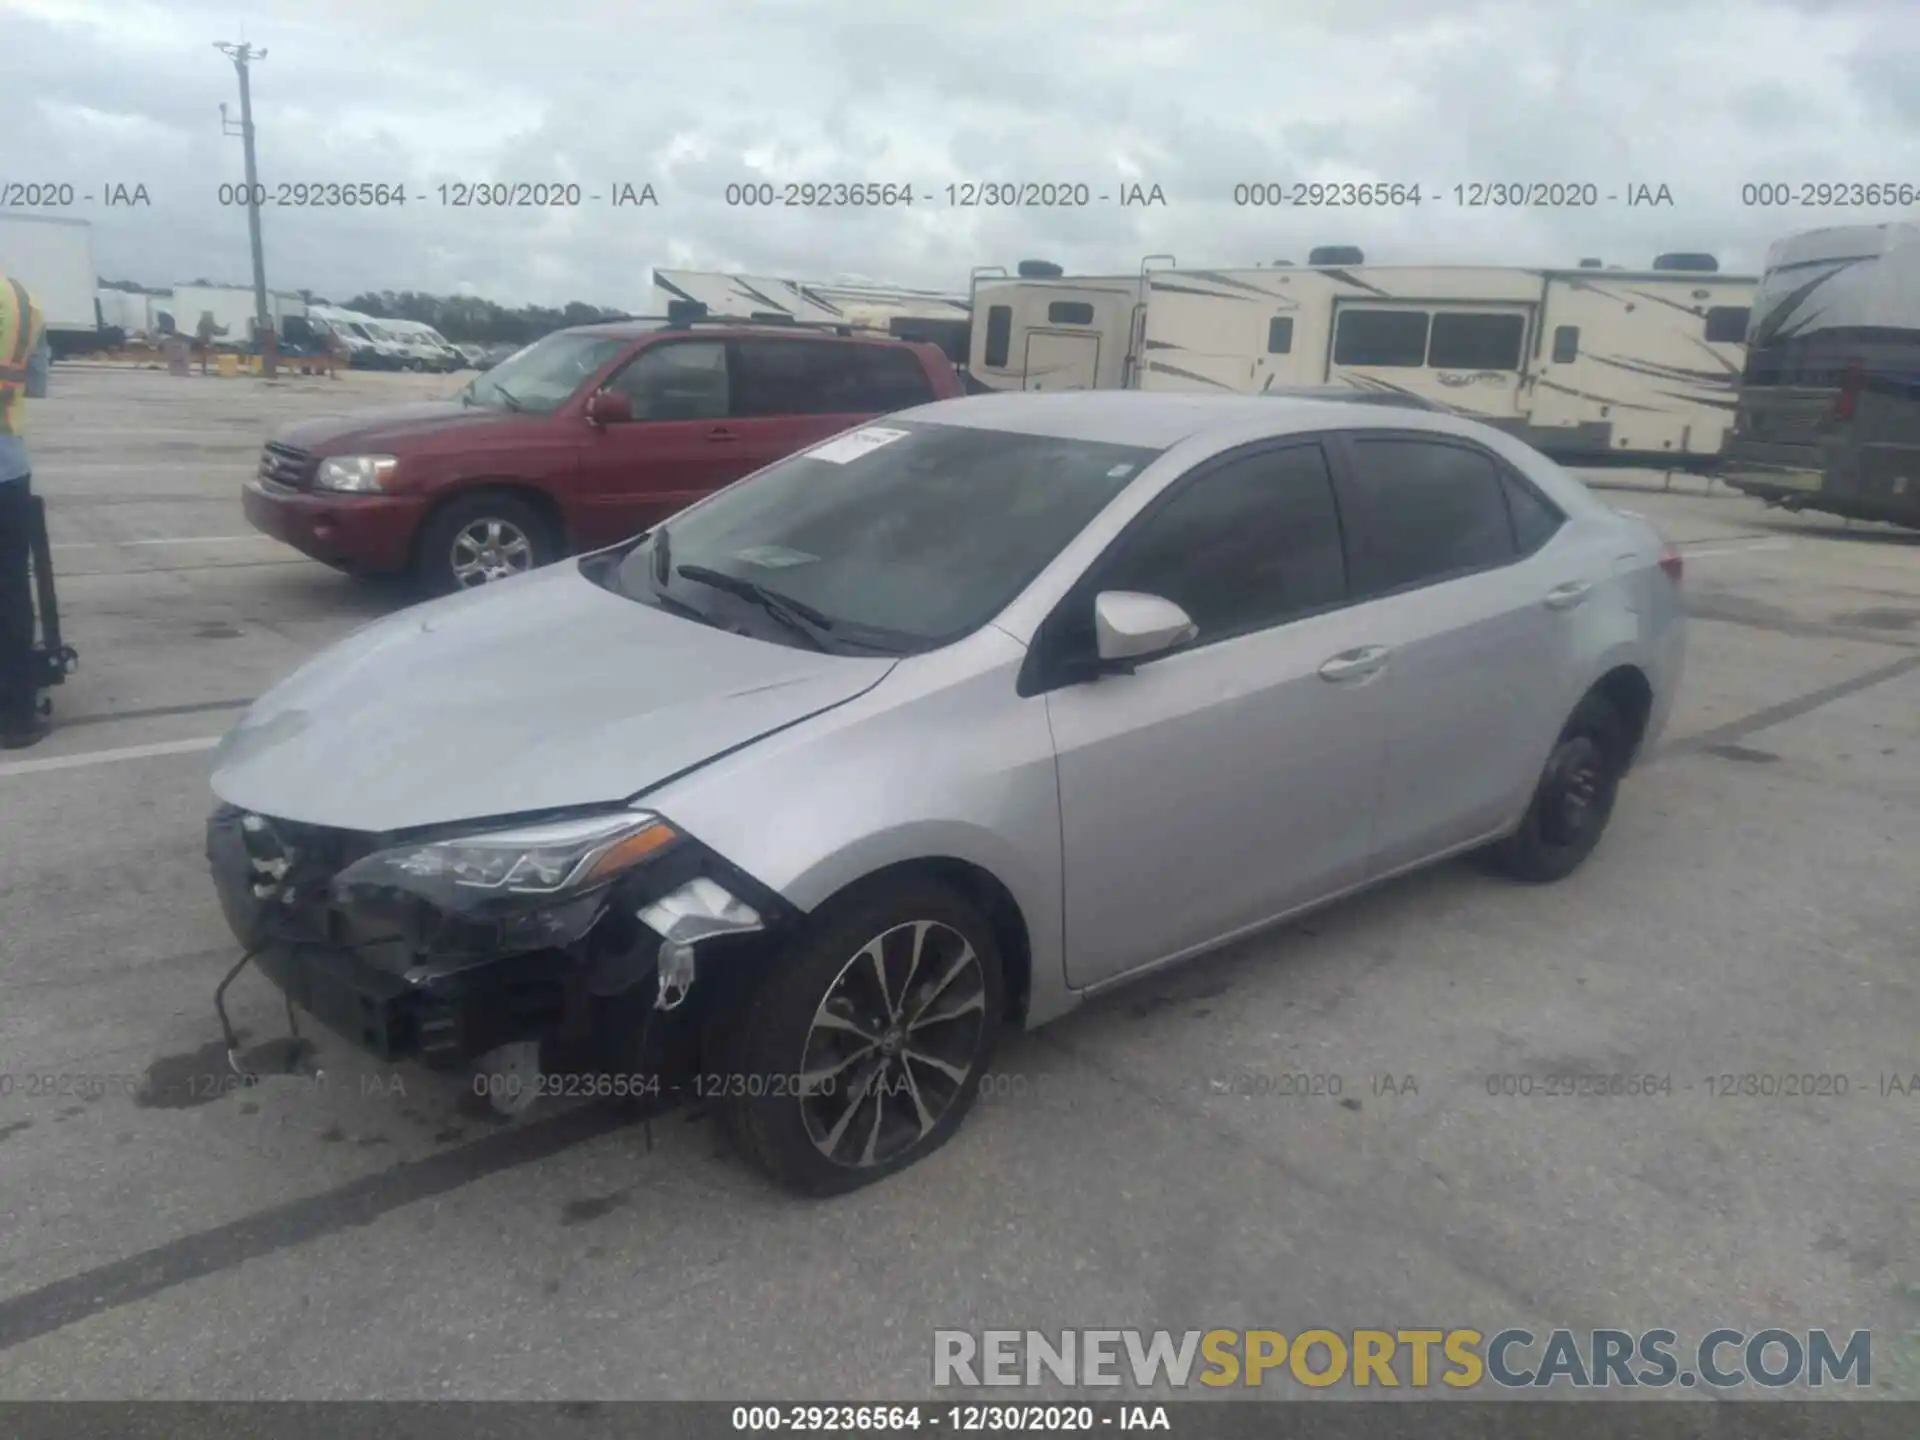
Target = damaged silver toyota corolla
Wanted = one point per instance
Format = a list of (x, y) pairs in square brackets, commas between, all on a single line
[(794, 801)]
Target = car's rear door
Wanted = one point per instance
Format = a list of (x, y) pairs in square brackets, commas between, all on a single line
[(789, 392), (1225, 783), (1460, 579)]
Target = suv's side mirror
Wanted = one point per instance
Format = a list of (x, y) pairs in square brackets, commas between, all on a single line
[(609, 407), (1130, 626)]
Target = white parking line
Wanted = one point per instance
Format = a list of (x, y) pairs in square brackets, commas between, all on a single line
[(172, 540), (107, 757)]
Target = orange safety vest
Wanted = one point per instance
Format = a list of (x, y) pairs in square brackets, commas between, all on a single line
[(21, 326)]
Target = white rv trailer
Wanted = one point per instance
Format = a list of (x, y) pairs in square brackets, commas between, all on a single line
[(1580, 362), (906, 313)]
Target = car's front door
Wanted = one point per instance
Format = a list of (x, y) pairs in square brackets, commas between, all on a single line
[(1234, 779), (1455, 569), (675, 450)]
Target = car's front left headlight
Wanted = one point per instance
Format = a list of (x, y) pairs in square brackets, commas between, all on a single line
[(539, 884), (356, 474)]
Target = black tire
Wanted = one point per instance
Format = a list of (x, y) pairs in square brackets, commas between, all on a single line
[(1573, 800), (790, 1135), (526, 540)]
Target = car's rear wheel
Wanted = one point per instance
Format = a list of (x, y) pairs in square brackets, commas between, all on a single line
[(1572, 801), (862, 1049), (480, 538)]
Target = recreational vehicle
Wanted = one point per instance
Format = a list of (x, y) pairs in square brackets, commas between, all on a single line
[(1829, 414), (1583, 363), (932, 316)]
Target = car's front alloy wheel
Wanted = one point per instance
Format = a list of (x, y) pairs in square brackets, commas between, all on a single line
[(481, 538), (862, 1050)]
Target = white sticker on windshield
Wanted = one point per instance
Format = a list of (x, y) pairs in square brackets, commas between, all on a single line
[(774, 557), (1119, 472), (852, 447)]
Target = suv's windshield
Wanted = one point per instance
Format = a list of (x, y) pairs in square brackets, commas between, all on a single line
[(901, 537), (541, 378)]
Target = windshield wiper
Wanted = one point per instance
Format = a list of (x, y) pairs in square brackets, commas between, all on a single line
[(798, 617), (506, 395), (662, 553)]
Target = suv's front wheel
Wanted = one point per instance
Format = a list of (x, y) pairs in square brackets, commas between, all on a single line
[(863, 1048), (479, 538)]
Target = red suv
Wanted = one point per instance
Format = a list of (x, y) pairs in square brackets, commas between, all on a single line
[(577, 441)]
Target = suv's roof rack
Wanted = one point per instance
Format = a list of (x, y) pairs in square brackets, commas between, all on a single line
[(685, 314)]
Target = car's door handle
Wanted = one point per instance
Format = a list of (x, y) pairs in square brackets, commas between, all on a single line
[(717, 436), (1355, 664), (1565, 597)]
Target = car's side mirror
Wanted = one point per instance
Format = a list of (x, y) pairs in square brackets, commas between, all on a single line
[(609, 407), (1129, 626)]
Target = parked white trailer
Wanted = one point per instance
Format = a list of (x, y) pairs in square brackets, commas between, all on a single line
[(138, 314), (1581, 362), (53, 257), (232, 309)]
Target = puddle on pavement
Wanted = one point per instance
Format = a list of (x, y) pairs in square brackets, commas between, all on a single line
[(202, 1076)]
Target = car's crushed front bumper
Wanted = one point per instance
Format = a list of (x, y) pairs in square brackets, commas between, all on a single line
[(392, 1001)]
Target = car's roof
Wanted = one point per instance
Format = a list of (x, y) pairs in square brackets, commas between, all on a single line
[(1162, 419), (635, 328)]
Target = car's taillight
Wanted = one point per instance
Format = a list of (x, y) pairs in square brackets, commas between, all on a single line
[(1672, 563), (1851, 384)]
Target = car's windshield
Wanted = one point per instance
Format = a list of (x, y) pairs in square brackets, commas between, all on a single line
[(901, 536), (543, 376)]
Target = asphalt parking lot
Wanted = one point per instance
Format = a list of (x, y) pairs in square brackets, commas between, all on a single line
[(1753, 911)]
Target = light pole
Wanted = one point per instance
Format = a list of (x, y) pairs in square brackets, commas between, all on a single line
[(242, 55)]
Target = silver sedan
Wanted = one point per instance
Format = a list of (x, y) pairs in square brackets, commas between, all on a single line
[(793, 804)]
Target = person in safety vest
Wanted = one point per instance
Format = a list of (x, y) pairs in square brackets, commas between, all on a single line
[(24, 358)]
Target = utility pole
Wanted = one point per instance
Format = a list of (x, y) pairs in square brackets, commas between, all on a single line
[(242, 55)]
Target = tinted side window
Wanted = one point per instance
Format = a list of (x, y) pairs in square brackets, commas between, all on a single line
[(1280, 335), (678, 380), (892, 379), (1727, 325), (1381, 337), (1069, 312), (1252, 544), (1566, 344), (1535, 518), (1428, 511), (999, 334), (794, 377), (1476, 342)]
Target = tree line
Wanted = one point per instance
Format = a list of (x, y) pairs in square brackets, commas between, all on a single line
[(467, 319)]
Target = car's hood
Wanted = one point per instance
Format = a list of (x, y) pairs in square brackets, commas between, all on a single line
[(363, 429), (535, 693)]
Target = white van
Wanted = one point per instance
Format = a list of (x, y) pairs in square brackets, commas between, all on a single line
[(426, 348)]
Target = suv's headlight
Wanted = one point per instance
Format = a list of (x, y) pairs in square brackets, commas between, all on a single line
[(363, 474)]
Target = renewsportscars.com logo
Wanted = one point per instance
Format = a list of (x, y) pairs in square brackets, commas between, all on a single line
[(1391, 1359)]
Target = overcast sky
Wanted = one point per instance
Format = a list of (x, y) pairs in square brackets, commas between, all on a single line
[(1194, 96)]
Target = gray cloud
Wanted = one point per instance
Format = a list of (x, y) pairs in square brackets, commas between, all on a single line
[(1701, 95)]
